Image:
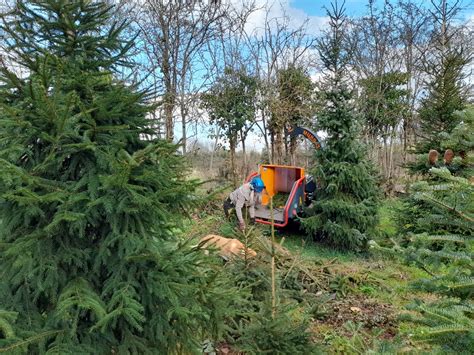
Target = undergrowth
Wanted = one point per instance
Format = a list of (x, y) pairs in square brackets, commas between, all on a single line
[(351, 301)]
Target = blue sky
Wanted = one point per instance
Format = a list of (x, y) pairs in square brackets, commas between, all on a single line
[(316, 7), (356, 8)]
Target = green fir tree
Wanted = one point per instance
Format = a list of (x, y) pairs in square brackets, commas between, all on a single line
[(411, 215), (88, 208), (443, 247), (345, 209), (436, 224), (446, 68), (446, 94)]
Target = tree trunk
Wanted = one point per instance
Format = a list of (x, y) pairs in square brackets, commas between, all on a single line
[(384, 157), (232, 143), (279, 147), (391, 165), (265, 136), (183, 138), (272, 139), (242, 139), (184, 115), (293, 146), (214, 148), (168, 113)]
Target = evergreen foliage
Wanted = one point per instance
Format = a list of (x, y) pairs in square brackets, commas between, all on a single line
[(413, 216), (384, 102), (88, 259), (446, 95), (264, 327), (445, 251), (446, 68), (436, 222), (230, 104), (345, 210), (286, 333)]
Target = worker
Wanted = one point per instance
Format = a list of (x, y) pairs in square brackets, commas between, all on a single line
[(249, 194)]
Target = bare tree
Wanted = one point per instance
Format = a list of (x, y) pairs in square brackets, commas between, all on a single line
[(377, 68), (274, 46), (173, 33), (412, 23)]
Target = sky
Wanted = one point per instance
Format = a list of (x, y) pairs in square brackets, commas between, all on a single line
[(316, 7), (315, 10), (355, 7)]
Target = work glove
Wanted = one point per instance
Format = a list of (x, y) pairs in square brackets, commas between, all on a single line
[(242, 226), (252, 221)]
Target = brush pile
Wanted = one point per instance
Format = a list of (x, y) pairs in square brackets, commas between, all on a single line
[(279, 200)]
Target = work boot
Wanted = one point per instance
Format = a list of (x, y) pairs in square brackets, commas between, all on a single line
[(252, 221)]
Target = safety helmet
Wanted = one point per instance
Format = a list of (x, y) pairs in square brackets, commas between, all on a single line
[(257, 184)]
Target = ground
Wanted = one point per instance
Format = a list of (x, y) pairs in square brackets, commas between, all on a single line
[(360, 296)]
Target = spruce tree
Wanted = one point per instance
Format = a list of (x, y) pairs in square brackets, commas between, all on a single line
[(88, 259), (345, 209), (411, 215), (446, 95)]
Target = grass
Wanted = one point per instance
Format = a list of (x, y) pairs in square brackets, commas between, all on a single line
[(386, 213), (373, 284), (315, 251)]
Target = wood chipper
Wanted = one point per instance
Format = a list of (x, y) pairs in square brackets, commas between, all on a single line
[(290, 188)]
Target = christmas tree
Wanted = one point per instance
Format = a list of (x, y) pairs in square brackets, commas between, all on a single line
[(345, 209), (88, 260), (458, 159), (446, 67), (443, 249), (436, 223)]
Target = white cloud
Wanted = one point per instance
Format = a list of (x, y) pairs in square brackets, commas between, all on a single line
[(274, 9)]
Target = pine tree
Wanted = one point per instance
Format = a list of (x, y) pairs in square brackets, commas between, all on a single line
[(345, 209), (88, 208)]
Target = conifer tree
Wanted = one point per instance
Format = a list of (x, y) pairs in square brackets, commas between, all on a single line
[(446, 68), (345, 209), (443, 248), (413, 212), (446, 95), (88, 261), (436, 224)]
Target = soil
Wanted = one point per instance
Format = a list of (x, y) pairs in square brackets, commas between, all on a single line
[(358, 309)]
